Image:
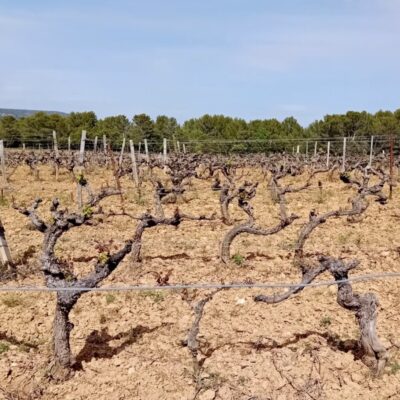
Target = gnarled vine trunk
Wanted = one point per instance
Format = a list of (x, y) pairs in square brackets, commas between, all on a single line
[(62, 328), (364, 306)]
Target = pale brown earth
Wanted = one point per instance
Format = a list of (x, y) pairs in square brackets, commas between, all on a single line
[(130, 343)]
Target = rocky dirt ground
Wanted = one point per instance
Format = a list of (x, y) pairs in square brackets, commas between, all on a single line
[(128, 345)]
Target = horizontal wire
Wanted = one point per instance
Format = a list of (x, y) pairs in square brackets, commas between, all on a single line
[(204, 286), (360, 139)]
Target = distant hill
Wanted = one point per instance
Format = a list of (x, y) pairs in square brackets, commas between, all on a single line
[(25, 113)]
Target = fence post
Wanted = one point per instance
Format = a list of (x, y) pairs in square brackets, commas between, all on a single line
[(134, 165), (79, 193), (344, 154), (307, 149), (146, 150), (55, 144), (184, 148), (95, 144), (371, 151), (82, 149), (23, 146), (165, 150), (69, 144), (57, 154), (178, 146), (121, 156), (3, 162), (391, 160), (315, 148), (328, 154), (105, 144)]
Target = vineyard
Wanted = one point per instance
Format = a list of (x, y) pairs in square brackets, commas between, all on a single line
[(199, 276)]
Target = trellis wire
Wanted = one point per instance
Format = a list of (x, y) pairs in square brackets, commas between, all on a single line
[(204, 286), (363, 139), (357, 145)]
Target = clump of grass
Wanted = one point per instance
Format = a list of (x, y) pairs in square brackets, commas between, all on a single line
[(343, 238), (4, 347), (325, 322), (110, 298), (213, 380), (394, 368), (287, 246), (87, 211), (24, 348), (139, 199), (155, 295), (12, 300), (323, 195), (4, 202), (238, 259)]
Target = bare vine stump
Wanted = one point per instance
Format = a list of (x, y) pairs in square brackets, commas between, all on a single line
[(61, 367), (374, 353)]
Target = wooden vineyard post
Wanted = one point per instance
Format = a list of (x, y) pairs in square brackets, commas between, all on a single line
[(175, 144), (146, 150), (3, 163), (307, 149), (164, 150), (55, 144), (69, 144), (178, 145), (328, 150), (81, 170), (371, 151), (184, 148), (298, 149), (95, 144), (344, 154), (315, 148), (57, 154), (23, 147), (134, 164), (5, 255), (391, 160), (105, 144), (121, 156), (82, 149)]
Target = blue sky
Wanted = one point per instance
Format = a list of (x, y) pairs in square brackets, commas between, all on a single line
[(184, 58)]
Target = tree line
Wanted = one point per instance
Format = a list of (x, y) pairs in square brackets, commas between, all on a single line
[(261, 133)]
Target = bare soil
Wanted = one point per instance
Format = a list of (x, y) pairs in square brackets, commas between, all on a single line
[(128, 345)]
